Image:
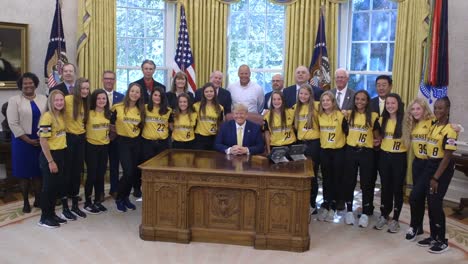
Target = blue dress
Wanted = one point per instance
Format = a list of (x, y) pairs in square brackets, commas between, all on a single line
[(24, 156)]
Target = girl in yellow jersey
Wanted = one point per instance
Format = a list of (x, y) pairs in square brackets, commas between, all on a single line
[(392, 163), (441, 143), (210, 115), (155, 135), (278, 123), (128, 118), (76, 115), (308, 133), (52, 137), (418, 120), (333, 130), (97, 144), (185, 120), (363, 128)]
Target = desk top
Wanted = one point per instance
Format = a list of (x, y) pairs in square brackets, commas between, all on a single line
[(215, 162)]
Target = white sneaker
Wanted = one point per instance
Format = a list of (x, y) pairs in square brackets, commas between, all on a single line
[(393, 226), (363, 221), (322, 214), (330, 216), (349, 218), (380, 223)]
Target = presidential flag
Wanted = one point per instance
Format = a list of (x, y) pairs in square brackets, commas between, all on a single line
[(56, 51), (319, 66), (183, 60)]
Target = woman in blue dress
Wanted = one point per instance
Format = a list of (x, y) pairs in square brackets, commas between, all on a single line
[(23, 113)]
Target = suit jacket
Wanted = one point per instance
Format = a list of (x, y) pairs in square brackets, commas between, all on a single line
[(267, 99), (290, 95), (224, 99), (348, 98), (374, 105), (227, 137), (145, 91), (62, 87), (117, 97)]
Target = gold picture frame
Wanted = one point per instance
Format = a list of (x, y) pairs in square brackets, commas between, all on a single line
[(13, 53)]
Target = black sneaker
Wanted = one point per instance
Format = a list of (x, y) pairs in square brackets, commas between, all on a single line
[(59, 220), (68, 215), (129, 204), (412, 233), (427, 242), (100, 207), (49, 223), (439, 247), (91, 208), (121, 206), (76, 211)]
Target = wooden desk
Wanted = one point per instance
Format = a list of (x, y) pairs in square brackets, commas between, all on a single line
[(211, 197), (461, 164)]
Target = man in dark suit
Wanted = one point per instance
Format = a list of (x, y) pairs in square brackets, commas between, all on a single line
[(301, 76), (240, 136), (68, 76), (383, 85), (7, 71), (148, 67), (344, 95), (108, 81), (223, 95), (277, 84)]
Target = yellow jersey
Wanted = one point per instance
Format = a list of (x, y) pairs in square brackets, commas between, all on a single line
[(360, 134), (418, 138), (156, 125), (332, 130), (207, 125), (280, 136), (97, 128), (184, 127), (54, 130), (440, 138), (73, 126), (304, 132), (390, 144), (126, 124)]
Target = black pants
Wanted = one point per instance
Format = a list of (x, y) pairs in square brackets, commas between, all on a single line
[(184, 144), (331, 161), (313, 151), (151, 148), (204, 142), (113, 165), (362, 158), (129, 153), (96, 165), (418, 194), (52, 183), (74, 161), (435, 200), (392, 169)]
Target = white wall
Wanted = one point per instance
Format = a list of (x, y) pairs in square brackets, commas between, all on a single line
[(39, 16)]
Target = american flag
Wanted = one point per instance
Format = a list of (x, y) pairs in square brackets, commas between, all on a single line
[(183, 60), (56, 51), (319, 66)]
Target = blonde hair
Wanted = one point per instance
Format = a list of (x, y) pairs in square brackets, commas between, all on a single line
[(332, 98), (50, 105), (409, 122), (309, 106)]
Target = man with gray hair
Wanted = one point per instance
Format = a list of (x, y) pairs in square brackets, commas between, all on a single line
[(344, 96), (246, 91), (301, 76)]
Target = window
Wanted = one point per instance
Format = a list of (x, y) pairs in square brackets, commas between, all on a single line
[(141, 34), (369, 41), (256, 38)]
